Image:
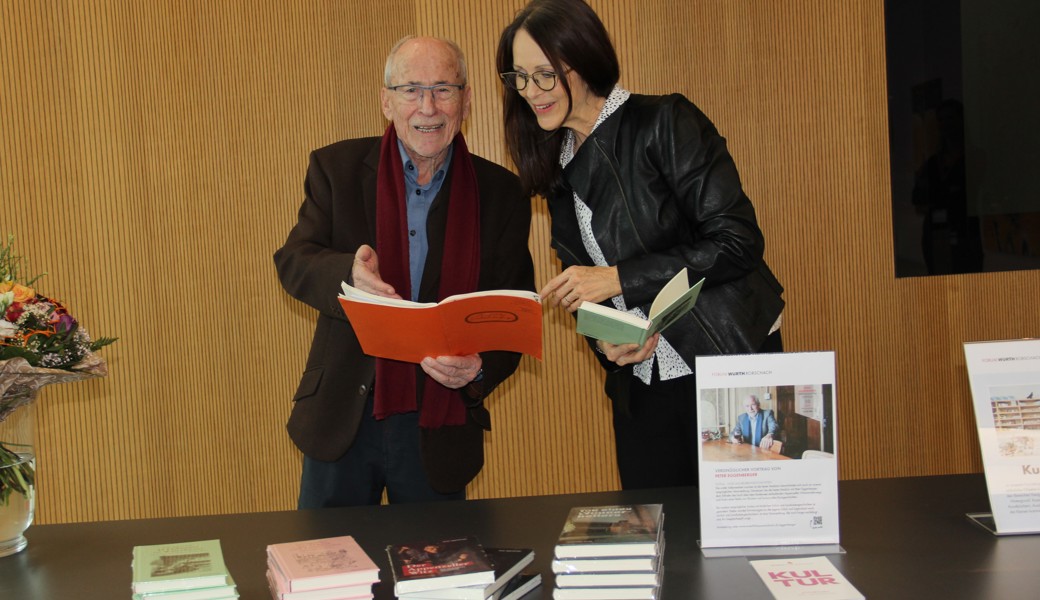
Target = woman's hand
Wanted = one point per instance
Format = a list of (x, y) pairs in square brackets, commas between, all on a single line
[(581, 284), (627, 354)]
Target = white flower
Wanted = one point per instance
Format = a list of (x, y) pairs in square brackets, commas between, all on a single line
[(7, 329)]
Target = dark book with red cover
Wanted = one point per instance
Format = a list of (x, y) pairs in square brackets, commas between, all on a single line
[(438, 564)]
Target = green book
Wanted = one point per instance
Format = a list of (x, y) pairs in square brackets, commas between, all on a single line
[(614, 326), (221, 592), (180, 566)]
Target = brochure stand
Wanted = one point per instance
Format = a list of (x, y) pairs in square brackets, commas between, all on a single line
[(764, 551), (1005, 387), (985, 521), (768, 455)]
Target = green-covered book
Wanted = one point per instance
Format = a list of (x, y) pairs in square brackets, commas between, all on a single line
[(179, 566), (220, 592), (614, 326)]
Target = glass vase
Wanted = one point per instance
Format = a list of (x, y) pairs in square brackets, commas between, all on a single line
[(17, 472)]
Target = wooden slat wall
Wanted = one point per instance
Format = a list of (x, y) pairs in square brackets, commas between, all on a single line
[(152, 157)]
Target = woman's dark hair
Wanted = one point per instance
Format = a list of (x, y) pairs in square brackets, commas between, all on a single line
[(572, 37)]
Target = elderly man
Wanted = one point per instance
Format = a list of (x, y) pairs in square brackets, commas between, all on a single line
[(755, 426), (410, 215)]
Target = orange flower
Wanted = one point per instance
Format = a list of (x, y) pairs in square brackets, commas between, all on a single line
[(21, 292)]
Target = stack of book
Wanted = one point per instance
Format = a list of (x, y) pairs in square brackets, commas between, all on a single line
[(333, 568), (460, 569), (181, 571), (610, 553)]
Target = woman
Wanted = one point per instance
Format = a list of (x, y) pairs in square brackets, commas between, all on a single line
[(638, 187)]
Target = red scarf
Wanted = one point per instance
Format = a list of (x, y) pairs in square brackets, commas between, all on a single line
[(460, 269)]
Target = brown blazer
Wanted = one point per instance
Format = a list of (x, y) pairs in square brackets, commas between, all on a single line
[(337, 216)]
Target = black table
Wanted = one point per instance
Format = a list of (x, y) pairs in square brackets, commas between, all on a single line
[(904, 538)]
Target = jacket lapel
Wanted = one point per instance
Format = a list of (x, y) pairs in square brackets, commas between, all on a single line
[(594, 174), (368, 188)]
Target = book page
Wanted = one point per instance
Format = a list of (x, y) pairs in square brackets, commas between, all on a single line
[(490, 293), (671, 292), (615, 314), (679, 307), (352, 293)]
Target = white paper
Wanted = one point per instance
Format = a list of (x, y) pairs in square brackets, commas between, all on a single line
[(1005, 385), (752, 497), (812, 577)]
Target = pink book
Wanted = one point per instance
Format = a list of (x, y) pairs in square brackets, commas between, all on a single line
[(351, 592), (322, 563)]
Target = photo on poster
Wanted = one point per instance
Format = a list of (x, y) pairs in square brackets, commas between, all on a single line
[(787, 422), (1016, 418), (768, 450)]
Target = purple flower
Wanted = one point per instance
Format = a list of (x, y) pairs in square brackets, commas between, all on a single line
[(64, 323)]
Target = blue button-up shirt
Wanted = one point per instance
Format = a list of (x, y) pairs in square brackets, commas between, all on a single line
[(418, 199)]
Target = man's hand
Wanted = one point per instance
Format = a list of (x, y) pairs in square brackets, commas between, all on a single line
[(581, 284), (766, 442), (627, 354), (365, 273), (452, 372)]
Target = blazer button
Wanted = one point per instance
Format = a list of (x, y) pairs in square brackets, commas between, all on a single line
[(362, 390)]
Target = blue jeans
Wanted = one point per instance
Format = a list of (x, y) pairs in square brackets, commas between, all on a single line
[(385, 454)]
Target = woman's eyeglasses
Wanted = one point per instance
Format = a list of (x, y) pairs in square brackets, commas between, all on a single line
[(545, 80)]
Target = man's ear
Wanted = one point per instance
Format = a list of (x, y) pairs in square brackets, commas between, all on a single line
[(467, 99), (384, 101)]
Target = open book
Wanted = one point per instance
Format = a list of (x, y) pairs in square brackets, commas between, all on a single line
[(456, 326), (614, 326)]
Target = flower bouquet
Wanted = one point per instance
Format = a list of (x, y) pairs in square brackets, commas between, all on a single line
[(40, 343)]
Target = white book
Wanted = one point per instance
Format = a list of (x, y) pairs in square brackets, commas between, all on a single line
[(607, 593), (607, 579), (630, 564)]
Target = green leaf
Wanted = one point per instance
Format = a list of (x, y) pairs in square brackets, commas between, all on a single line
[(102, 342)]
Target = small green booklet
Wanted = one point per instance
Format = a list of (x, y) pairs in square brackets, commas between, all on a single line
[(179, 566), (614, 326)]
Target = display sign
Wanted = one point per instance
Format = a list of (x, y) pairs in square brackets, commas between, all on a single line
[(768, 450), (1005, 386)]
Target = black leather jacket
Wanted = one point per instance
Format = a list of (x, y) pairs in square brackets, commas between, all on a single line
[(665, 194)]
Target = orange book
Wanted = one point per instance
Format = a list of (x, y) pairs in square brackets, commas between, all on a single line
[(456, 326)]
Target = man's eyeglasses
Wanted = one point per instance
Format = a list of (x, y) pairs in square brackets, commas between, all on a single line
[(545, 80), (442, 92)]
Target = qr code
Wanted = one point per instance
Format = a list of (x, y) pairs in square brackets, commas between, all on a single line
[(817, 521)]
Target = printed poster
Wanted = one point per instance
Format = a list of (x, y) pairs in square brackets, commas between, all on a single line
[(1005, 387), (768, 450)]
